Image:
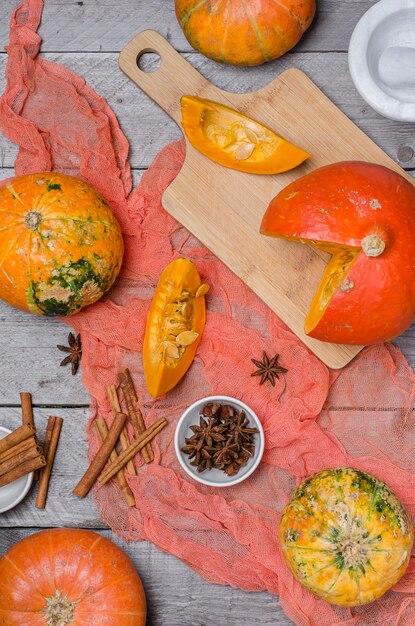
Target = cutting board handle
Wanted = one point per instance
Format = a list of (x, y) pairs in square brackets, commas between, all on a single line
[(174, 78)]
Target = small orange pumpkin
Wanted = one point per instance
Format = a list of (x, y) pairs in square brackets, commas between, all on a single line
[(61, 247), (235, 140), (244, 32), (364, 216), (69, 576), (175, 325)]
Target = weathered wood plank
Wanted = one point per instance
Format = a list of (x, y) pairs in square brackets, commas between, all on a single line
[(148, 128), (31, 360), (176, 596), (99, 25)]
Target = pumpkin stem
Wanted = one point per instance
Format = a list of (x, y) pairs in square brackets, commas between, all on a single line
[(33, 220), (373, 245), (59, 610)]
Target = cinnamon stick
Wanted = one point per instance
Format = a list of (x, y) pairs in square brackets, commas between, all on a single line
[(85, 484), (130, 453), (18, 459), (18, 448), (18, 435), (53, 431), (134, 412), (22, 470), (124, 439), (27, 409), (102, 430)]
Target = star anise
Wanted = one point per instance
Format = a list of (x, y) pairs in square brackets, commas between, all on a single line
[(240, 431), (227, 453), (222, 440), (209, 431), (75, 352), (268, 369)]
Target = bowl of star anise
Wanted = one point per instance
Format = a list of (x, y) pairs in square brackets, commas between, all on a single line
[(219, 441)]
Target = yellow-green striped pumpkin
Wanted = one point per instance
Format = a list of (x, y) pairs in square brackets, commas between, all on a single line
[(346, 537)]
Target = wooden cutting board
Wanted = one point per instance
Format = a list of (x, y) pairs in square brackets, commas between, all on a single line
[(223, 208)]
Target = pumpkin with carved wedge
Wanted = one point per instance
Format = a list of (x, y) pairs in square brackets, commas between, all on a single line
[(363, 215), (175, 324), (244, 32), (346, 537), (236, 141), (68, 576), (61, 247)]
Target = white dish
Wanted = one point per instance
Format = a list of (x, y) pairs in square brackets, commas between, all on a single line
[(12, 494), (215, 477), (382, 58)]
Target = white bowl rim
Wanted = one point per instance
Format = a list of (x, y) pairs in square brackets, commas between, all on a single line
[(261, 444), (26, 487), (381, 102)]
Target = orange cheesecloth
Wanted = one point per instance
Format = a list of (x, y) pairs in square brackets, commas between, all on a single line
[(229, 536)]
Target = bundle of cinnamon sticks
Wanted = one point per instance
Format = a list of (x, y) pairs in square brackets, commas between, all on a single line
[(21, 454), (141, 442)]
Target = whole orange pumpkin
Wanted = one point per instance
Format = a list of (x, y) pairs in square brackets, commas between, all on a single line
[(61, 246), (244, 32), (69, 576), (364, 216)]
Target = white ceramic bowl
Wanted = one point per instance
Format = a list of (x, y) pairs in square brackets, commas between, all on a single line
[(215, 477), (12, 494), (382, 58)]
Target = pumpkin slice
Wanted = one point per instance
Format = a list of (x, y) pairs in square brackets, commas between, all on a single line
[(236, 141), (363, 215), (174, 326)]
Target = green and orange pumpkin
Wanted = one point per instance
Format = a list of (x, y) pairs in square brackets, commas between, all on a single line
[(61, 247), (346, 537), (244, 32)]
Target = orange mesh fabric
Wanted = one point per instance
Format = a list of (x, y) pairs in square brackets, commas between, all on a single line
[(229, 536)]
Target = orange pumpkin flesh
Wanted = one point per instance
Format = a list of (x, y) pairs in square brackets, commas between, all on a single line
[(244, 32), (364, 216), (69, 576), (61, 247), (175, 309), (235, 140)]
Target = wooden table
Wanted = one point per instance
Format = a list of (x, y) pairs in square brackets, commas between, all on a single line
[(86, 36)]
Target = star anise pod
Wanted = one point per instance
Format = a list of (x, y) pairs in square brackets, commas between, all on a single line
[(209, 431), (205, 459), (75, 352), (268, 369), (227, 453), (240, 431), (211, 409)]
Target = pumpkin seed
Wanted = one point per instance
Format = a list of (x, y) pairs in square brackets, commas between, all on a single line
[(170, 349), (202, 290), (187, 309), (187, 337), (253, 137), (244, 151)]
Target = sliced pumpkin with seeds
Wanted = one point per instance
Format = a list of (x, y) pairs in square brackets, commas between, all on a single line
[(235, 140), (174, 327)]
